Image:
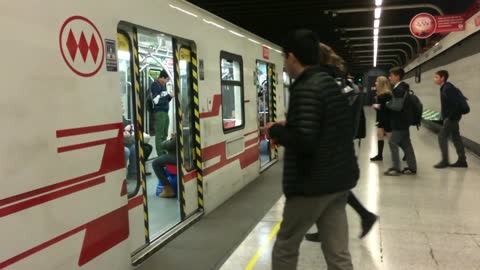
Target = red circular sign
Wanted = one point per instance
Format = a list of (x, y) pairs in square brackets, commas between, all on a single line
[(81, 45), (423, 25)]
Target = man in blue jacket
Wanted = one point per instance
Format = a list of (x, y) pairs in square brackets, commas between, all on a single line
[(450, 98), (161, 100)]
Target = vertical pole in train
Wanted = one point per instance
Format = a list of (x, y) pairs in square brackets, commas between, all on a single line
[(139, 136), (179, 125), (196, 120)]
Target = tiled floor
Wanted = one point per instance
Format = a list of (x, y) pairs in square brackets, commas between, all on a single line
[(428, 221)]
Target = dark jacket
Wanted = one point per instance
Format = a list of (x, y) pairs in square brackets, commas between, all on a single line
[(383, 113), (399, 120), (450, 97), (319, 152), (170, 146), (163, 103)]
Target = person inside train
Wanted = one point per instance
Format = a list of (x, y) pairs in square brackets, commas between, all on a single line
[(320, 166), (368, 219), (161, 99), (130, 149), (450, 98), (158, 165), (400, 125), (384, 95)]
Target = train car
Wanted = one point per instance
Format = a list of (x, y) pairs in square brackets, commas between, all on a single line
[(79, 190)]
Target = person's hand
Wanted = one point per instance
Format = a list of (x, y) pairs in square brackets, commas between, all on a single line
[(128, 128), (126, 134)]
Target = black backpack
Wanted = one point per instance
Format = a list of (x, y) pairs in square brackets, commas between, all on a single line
[(355, 100), (462, 105), (413, 107)]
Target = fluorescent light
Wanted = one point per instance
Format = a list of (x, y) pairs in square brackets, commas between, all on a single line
[(237, 34), (378, 2), (254, 41), (375, 38), (214, 24), (280, 52), (376, 31), (267, 46), (376, 23), (438, 43), (184, 11), (378, 12)]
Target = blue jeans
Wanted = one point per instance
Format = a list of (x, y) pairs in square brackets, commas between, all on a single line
[(131, 159)]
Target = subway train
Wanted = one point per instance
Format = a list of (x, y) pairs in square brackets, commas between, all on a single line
[(75, 75)]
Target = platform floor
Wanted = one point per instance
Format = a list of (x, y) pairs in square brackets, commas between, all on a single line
[(428, 221)]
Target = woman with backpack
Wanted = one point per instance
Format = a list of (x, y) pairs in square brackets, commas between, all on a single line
[(384, 94)]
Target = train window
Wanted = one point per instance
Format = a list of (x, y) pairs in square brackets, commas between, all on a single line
[(232, 91), (127, 100)]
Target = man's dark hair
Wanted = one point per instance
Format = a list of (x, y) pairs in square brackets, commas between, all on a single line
[(163, 74), (443, 73), (398, 71), (304, 45)]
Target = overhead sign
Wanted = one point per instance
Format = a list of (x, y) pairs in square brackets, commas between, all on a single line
[(425, 25), (81, 46)]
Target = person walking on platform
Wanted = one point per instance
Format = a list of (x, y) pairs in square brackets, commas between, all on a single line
[(400, 124), (384, 94), (450, 98), (320, 164), (354, 95), (161, 100)]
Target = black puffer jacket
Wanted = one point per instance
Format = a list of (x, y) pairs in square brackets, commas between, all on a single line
[(319, 155)]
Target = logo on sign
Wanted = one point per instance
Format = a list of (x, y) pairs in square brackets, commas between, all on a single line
[(423, 25), (81, 46), (266, 53)]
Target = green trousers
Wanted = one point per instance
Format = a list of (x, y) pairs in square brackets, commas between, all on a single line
[(161, 130)]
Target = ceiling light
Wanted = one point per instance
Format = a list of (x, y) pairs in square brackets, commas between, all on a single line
[(378, 2), (375, 38), (254, 41), (236, 34), (376, 31), (184, 11), (376, 23), (378, 12), (214, 24)]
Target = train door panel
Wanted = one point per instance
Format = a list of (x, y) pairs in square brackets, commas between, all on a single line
[(163, 190), (267, 111)]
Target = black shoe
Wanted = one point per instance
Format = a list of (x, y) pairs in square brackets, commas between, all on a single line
[(312, 237), (459, 164), (367, 224), (148, 173), (441, 165), (376, 158), (392, 172), (409, 171)]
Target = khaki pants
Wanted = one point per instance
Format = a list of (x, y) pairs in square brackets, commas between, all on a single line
[(300, 213)]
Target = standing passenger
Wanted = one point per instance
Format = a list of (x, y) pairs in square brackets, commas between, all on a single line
[(320, 164), (400, 128), (384, 94), (450, 99), (161, 99)]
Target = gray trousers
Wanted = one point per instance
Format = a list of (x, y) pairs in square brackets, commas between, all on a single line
[(299, 215), (401, 139), (451, 128)]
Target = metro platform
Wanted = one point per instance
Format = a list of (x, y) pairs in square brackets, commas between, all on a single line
[(427, 221)]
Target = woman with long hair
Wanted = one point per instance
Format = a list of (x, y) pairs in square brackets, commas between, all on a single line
[(384, 94), (328, 56)]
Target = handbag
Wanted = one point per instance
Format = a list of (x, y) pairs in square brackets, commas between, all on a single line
[(396, 104)]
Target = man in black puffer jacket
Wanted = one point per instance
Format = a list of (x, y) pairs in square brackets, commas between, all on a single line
[(320, 164)]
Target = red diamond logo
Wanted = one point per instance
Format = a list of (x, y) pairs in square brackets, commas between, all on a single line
[(94, 48), (72, 45), (83, 47)]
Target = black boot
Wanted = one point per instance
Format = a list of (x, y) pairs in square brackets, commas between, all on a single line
[(379, 156)]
